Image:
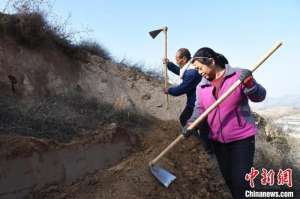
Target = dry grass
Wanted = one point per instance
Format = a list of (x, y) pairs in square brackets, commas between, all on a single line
[(31, 28), (62, 117), (95, 49)]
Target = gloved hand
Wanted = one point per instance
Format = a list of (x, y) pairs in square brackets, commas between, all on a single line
[(247, 78), (185, 132), (165, 90)]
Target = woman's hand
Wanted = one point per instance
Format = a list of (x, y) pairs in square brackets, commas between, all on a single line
[(246, 78), (187, 132)]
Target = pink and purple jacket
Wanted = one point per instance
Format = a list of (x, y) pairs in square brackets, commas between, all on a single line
[(232, 119)]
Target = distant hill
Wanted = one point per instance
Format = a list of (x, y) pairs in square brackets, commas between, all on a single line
[(283, 101)]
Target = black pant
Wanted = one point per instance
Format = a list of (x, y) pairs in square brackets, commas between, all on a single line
[(185, 115), (235, 161)]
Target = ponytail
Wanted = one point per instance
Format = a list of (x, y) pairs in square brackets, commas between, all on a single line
[(210, 53), (221, 60)]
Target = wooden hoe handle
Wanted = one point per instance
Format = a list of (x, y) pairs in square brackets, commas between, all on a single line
[(215, 104)]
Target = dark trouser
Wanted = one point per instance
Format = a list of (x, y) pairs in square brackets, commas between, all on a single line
[(185, 115), (235, 161)]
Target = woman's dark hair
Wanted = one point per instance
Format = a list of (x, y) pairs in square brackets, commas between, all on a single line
[(210, 53)]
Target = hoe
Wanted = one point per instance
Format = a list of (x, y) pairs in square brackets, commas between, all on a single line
[(164, 176), (154, 34)]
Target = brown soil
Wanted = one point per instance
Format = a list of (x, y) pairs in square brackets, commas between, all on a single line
[(196, 172), (15, 146), (63, 112)]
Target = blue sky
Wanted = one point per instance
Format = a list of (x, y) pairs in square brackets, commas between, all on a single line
[(241, 30)]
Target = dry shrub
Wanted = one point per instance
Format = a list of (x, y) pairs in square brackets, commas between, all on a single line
[(94, 48), (30, 26)]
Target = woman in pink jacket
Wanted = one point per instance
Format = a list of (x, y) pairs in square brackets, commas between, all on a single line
[(232, 126)]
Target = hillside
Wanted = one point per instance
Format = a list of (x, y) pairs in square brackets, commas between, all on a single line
[(46, 72), (283, 101), (73, 127)]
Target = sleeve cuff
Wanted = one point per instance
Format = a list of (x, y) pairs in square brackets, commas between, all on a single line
[(253, 89), (249, 91)]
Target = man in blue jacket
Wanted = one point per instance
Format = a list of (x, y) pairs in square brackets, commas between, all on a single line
[(190, 79)]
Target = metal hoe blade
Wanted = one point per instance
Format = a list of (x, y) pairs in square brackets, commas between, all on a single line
[(154, 33), (162, 175)]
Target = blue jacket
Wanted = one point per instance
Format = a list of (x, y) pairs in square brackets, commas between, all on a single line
[(190, 80)]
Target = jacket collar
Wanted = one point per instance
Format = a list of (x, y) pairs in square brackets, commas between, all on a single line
[(186, 67), (228, 72)]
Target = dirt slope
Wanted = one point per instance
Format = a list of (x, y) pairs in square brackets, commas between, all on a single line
[(197, 175), (48, 72), (87, 129)]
